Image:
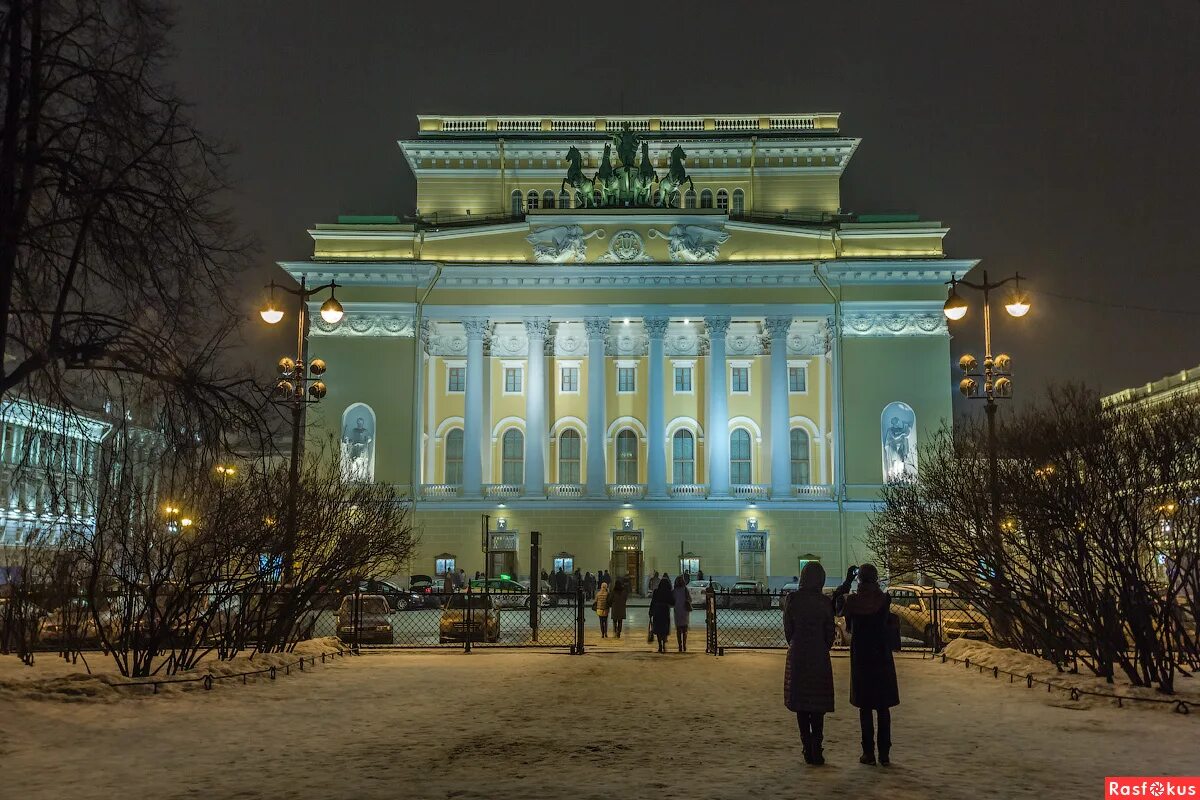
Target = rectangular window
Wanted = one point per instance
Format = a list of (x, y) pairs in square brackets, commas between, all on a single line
[(739, 380), (798, 379), (570, 379), (512, 380), (683, 379), (626, 380), (456, 379)]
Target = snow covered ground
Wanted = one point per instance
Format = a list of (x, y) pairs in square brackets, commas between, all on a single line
[(621, 721)]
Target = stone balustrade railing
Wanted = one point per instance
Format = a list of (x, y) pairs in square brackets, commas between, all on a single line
[(441, 491), (501, 491), (627, 491), (754, 491), (565, 490), (812, 491), (687, 490)]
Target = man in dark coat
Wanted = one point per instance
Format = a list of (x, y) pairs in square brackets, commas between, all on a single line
[(808, 679), (872, 670), (662, 602)]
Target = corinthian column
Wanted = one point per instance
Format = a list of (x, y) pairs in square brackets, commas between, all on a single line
[(476, 329), (597, 423), (780, 436), (536, 330), (718, 409), (656, 428)]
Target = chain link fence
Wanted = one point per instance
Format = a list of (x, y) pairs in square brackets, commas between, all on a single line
[(927, 619), (465, 620)]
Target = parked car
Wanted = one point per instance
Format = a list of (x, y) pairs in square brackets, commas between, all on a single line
[(956, 618), (748, 594), (482, 623), (71, 625), (697, 591), (398, 599), (507, 593), (429, 592), (784, 591), (374, 627)]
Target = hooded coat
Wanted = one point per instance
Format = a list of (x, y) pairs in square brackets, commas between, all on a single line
[(683, 605), (872, 670), (601, 601), (661, 603), (617, 598), (809, 630)]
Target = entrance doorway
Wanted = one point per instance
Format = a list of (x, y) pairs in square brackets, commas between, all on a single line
[(752, 555), (626, 562), (503, 555)]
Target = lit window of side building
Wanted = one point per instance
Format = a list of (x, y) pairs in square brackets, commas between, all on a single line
[(656, 340)]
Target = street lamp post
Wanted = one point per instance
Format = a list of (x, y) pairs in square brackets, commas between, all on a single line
[(996, 374), (299, 384)]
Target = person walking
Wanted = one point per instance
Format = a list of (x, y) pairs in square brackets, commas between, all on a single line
[(808, 677), (652, 584), (600, 606), (872, 670), (617, 599), (589, 585), (683, 612), (662, 602)]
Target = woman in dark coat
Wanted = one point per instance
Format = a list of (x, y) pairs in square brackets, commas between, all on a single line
[(617, 600), (872, 671), (662, 602), (683, 611), (808, 678)]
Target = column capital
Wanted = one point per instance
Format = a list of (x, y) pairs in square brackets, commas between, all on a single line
[(778, 326), (597, 327), (476, 327), (537, 327), (717, 326), (656, 327)]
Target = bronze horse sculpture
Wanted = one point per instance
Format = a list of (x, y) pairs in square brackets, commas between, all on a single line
[(643, 193), (676, 176), (609, 180), (581, 187)]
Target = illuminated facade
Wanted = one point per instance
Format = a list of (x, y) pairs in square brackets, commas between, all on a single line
[(644, 337)]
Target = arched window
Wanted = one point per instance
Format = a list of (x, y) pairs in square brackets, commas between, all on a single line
[(568, 457), (454, 456), (512, 469), (706, 199), (564, 199), (722, 200), (627, 462), (801, 475), (517, 205), (739, 457), (689, 198), (683, 457), (532, 200), (739, 201), (547, 199)]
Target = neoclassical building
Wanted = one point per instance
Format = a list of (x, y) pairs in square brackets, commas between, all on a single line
[(649, 338)]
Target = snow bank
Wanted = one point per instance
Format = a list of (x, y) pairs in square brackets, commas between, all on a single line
[(1009, 660), (110, 687)]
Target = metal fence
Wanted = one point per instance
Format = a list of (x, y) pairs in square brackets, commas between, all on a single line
[(467, 620), (754, 621)]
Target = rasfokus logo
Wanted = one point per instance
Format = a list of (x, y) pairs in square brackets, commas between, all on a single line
[(1155, 786)]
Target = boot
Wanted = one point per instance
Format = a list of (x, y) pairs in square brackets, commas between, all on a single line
[(817, 738), (806, 740), (885, 755), (868, 757)]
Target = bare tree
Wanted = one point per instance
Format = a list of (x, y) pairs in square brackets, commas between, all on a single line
[(115, 251), (1100, 517)]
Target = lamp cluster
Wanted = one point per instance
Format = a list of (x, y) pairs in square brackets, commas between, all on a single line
[(996, 376), (298, 384)]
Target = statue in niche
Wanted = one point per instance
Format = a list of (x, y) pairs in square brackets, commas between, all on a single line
[(358, 447), (899, 443)]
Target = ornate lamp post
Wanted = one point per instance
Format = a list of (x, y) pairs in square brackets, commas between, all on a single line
[(996, 374), (299, 384)]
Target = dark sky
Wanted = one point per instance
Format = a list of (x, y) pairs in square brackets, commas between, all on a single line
[(1059, 139)]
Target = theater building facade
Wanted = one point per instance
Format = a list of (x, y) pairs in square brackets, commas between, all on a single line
[(658, 341)]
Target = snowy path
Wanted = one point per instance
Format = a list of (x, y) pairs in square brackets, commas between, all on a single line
[(618, 722)]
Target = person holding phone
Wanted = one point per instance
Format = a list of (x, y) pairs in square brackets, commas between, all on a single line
[(873, 689)]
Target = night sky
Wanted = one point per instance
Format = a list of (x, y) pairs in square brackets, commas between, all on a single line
[(1059, 139)]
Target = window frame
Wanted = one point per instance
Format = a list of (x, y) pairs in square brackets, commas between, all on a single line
[(706, 198), (689, 199), (737, 202), (793, 461), (677, 461), (748, 460), (506, 460), (630, 461), (517, 202), (533, 200), (631, 366), (803, 366), (576, 462), (722, 197), (446, 460), (563, 367), (740, 365), (451, 367), (690, 368), (519, 368)]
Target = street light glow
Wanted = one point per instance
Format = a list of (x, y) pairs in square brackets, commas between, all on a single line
[(270, 313), (955, 307), (331, 310)]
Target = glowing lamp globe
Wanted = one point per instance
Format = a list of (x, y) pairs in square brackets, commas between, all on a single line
[(1017, 305), (955, 307), (332, 311)]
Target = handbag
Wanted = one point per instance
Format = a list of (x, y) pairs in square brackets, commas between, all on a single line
[(593, 605), (650, 631)]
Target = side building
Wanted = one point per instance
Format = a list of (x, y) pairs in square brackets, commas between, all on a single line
[(658, 341)]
